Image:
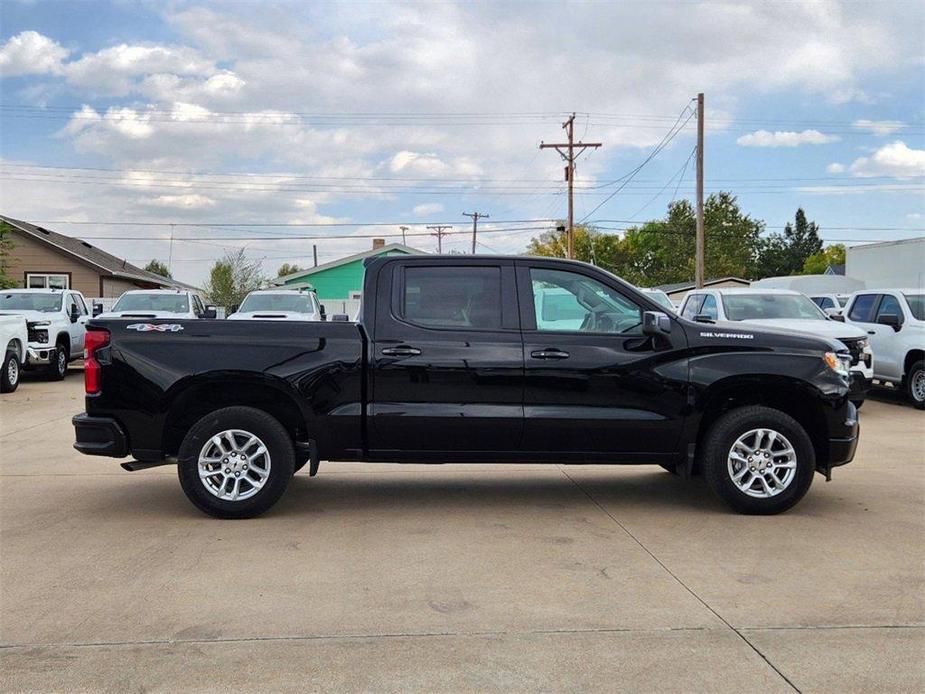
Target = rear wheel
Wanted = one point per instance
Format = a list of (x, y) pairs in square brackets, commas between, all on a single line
[(57, 368), (236, 462), (915, 384), (758, 460), (9, 378)]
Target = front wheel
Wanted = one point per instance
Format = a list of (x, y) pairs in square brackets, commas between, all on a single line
[(57, 367), (236, 462), (9, 378), (758, 460), (915, 384)]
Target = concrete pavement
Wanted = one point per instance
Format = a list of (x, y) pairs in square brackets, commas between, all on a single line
[(456, 578)]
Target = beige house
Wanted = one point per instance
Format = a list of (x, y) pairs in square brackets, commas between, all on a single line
[(677, 292), (41, 258)]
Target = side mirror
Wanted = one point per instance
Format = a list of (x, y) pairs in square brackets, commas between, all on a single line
[(210, 312), (655, 323), (232, 309), (75, 313), (890, 319), (340, 318), (834, 314), (324, 316), (97, 308), (704, 318)]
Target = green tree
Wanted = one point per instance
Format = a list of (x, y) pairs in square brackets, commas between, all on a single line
[(287, 269), (6, 247), (591, 246), (817, 263), (158, 268), (785, 254), (232, 277)]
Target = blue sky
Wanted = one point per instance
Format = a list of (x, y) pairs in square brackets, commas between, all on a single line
[(316, 115)]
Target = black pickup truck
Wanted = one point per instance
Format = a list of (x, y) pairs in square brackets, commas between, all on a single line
[(468, 359)]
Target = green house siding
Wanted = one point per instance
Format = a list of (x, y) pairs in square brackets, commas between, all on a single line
[(336, 283)]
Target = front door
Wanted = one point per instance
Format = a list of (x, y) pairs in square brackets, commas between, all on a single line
[(593, 382), (447, 362)]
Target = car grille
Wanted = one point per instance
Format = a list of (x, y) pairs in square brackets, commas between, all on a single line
[(39, 335), (854, 347)]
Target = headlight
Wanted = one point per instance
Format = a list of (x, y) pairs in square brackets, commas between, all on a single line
[(863, 344), (837, 363)]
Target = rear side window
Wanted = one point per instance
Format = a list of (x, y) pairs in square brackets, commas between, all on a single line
[(454, 298), (860, 310), (692, 305)]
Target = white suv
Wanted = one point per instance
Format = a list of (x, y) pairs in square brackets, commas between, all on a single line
[(159, 303), (56, 320), (787, 310), (895, 322), (280, 304)]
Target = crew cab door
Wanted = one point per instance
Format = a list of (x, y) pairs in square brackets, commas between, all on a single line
[(593, 382), (76, 331), (885, 343), (447, 360)]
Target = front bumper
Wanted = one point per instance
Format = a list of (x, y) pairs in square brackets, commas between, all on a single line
[(842, 448), (99, 436), (858, 386), (40, 356)]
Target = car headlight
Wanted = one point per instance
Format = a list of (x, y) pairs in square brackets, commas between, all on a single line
[(863, 344), (837, 363)]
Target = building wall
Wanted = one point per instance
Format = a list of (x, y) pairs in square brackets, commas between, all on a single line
[(336, 283), (898, 265), (114, 287), (29, 255)]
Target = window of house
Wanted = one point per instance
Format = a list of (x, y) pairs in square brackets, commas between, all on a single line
[(453, 297), (41, 280), (571, 302)]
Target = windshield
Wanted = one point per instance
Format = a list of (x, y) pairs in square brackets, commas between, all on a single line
[(916, 305), (759, 306), (292, 303), (662, 300), (28, 301), (169, 303)]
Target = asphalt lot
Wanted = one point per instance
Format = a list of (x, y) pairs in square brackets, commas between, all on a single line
[(456, 578)]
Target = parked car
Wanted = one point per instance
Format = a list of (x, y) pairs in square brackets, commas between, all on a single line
[(895, 323), (56, 322), (280, 304), (451, 363), (660, 297), (832, 304), (14, 337), (159, 303), (788, 310)]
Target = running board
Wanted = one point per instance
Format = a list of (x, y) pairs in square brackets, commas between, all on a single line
[(136, 465)]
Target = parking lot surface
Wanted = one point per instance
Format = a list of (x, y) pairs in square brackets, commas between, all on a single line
[(456, 578)]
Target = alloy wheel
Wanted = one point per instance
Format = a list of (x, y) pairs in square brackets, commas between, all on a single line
[(234, 465), (762, 463)]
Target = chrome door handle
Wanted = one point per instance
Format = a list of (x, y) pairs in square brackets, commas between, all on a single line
[(549, 354), (403, 351)]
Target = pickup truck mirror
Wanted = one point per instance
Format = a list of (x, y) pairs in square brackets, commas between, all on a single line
[(210, 312), (704, 318), (835, 314), (97, 308), (75, 313), (340, 318), (890, 319), (655, 323), (324, 315), (232, 309)]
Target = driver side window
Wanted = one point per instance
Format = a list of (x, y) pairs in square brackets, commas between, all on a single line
[(570, 302)]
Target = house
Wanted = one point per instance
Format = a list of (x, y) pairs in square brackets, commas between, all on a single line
[(339, 283), (838, 269), (41, 258), (677, 291)]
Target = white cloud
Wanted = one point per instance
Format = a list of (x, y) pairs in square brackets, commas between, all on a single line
[(835, 168), (31, 53), (914, 216), (190, 201), (895, 159), (427, 208), (765, 138), (879, 127)]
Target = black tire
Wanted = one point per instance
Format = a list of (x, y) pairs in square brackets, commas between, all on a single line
[(915, 395), (57, 369), (673, 469), (724, 433), (9, 379), (857, 404), (278, 444)]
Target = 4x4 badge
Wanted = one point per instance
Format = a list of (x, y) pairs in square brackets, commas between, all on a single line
[(155, 327)]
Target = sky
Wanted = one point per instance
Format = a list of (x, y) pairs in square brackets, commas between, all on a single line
[(279, 126)]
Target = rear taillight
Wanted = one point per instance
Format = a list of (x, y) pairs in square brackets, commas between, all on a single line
[(95, 340)]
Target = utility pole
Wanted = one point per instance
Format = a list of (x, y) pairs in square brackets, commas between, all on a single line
[(403, 230), (476, 216), (698, 267), (438, 229), (570, 155), (315, 254)]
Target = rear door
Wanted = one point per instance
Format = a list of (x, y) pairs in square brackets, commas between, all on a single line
[(593, 382), (447, 360)]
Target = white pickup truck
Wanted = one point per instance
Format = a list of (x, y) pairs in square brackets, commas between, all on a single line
[(14, 337), (160, 303), (280, 304), (56, 323)]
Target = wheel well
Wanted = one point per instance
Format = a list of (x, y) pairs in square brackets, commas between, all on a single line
[(197, 401), (790, 399), (912, 357), (64, 340), (16, 346)]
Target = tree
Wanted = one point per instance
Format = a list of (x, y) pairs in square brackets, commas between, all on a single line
[(287, 269), (158, 268), (785, 254), (6, 247), (232, 278), (591, 246), (817, 263)]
